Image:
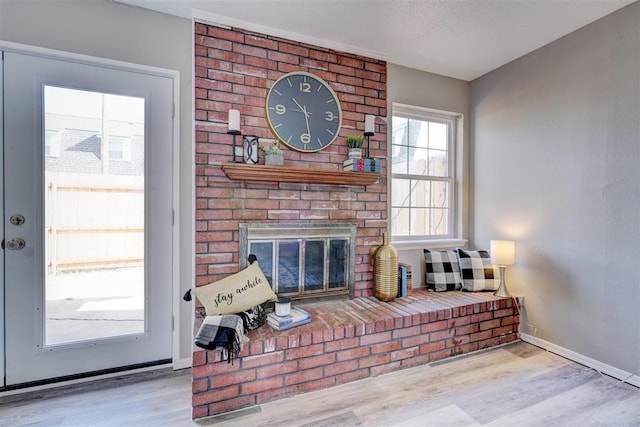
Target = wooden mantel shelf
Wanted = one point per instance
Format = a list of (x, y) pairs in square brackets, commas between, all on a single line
[(244, 172)]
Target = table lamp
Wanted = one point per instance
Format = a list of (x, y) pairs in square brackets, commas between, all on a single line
[(503, 253)]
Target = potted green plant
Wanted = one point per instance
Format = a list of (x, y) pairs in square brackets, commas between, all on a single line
[(355, 142), (273, 154)]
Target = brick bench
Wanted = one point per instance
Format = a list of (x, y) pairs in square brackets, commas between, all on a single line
[(350, 340)]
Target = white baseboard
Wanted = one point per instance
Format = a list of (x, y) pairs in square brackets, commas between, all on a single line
[(182, 363), (628, 377)]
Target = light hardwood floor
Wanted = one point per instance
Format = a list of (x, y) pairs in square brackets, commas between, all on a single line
[(514, 385)]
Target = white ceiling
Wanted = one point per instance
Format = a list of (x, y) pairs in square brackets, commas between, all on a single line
[(458, 38)]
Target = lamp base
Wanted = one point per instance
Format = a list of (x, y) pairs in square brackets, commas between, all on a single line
[(502, 291)]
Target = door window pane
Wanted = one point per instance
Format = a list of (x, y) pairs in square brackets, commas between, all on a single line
[(94, 218)]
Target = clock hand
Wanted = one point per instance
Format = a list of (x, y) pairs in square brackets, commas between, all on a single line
[(304, 110), (300, 111), (306, 120)]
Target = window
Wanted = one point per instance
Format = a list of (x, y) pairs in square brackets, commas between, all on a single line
[(423, 176), (119, 148), (51, 143)]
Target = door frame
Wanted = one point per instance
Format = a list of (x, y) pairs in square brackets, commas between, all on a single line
[(2, 288), (174, 75)]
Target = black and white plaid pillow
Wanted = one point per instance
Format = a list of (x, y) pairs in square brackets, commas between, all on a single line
[(478, 274), (442, 270)]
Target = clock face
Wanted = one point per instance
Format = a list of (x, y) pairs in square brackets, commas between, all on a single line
[(303, 112)]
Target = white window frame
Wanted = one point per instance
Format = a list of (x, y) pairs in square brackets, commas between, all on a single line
[(456, 121)]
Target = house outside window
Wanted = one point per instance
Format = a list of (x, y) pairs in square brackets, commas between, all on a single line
[(423, 185)]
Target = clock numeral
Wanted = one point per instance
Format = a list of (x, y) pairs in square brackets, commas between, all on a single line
[(329, 116), (280, 109), (305, 87), (305, 138)]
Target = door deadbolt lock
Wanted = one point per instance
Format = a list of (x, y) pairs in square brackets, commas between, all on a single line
[(17, 219), (16, 244)]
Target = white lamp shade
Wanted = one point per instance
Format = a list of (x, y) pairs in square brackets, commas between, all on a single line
[(503, 252)]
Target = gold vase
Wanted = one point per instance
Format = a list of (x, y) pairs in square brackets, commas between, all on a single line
[(385, 261)]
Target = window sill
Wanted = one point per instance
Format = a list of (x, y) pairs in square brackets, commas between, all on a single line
[(406, 245)]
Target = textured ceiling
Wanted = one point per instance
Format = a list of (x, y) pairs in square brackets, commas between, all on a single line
[(458, 38)]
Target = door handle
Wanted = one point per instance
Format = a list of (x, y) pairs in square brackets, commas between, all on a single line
[(16, 244), (17, 219)]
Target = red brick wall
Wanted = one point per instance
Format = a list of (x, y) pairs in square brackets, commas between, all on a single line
[(234, 69)]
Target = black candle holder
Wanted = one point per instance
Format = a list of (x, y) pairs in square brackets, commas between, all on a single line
[(368, 135), (234, 133)]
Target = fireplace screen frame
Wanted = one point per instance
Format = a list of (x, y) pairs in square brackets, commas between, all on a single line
[(272, 236)]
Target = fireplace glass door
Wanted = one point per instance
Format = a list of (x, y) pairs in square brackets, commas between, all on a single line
[(304, 267)]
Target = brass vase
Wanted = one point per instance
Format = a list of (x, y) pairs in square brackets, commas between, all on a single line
[(385, 261)]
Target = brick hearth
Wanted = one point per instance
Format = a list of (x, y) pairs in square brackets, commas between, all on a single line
[(351, 340)]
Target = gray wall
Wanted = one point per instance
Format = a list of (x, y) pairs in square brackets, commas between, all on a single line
[(421, 89), (105, 29), (556, 167)]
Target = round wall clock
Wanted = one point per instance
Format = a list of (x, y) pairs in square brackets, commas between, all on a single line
[(303, 112)]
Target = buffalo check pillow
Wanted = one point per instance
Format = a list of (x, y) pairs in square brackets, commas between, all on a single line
[(478, 274), (442, 270)]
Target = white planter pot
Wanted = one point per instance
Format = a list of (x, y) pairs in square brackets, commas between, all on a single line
[(274, 159), (355, 153)]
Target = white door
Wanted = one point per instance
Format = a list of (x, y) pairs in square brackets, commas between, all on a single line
[(87, 239)]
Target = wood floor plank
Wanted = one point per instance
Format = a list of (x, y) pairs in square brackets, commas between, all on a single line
[(625, 413), (500, 401), (449, 416), (345, 419), (464, 379), (581, 406), (474, 375), (314, 406)]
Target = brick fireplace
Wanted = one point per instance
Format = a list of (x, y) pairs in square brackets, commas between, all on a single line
[(348, 339), (234, 69)]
